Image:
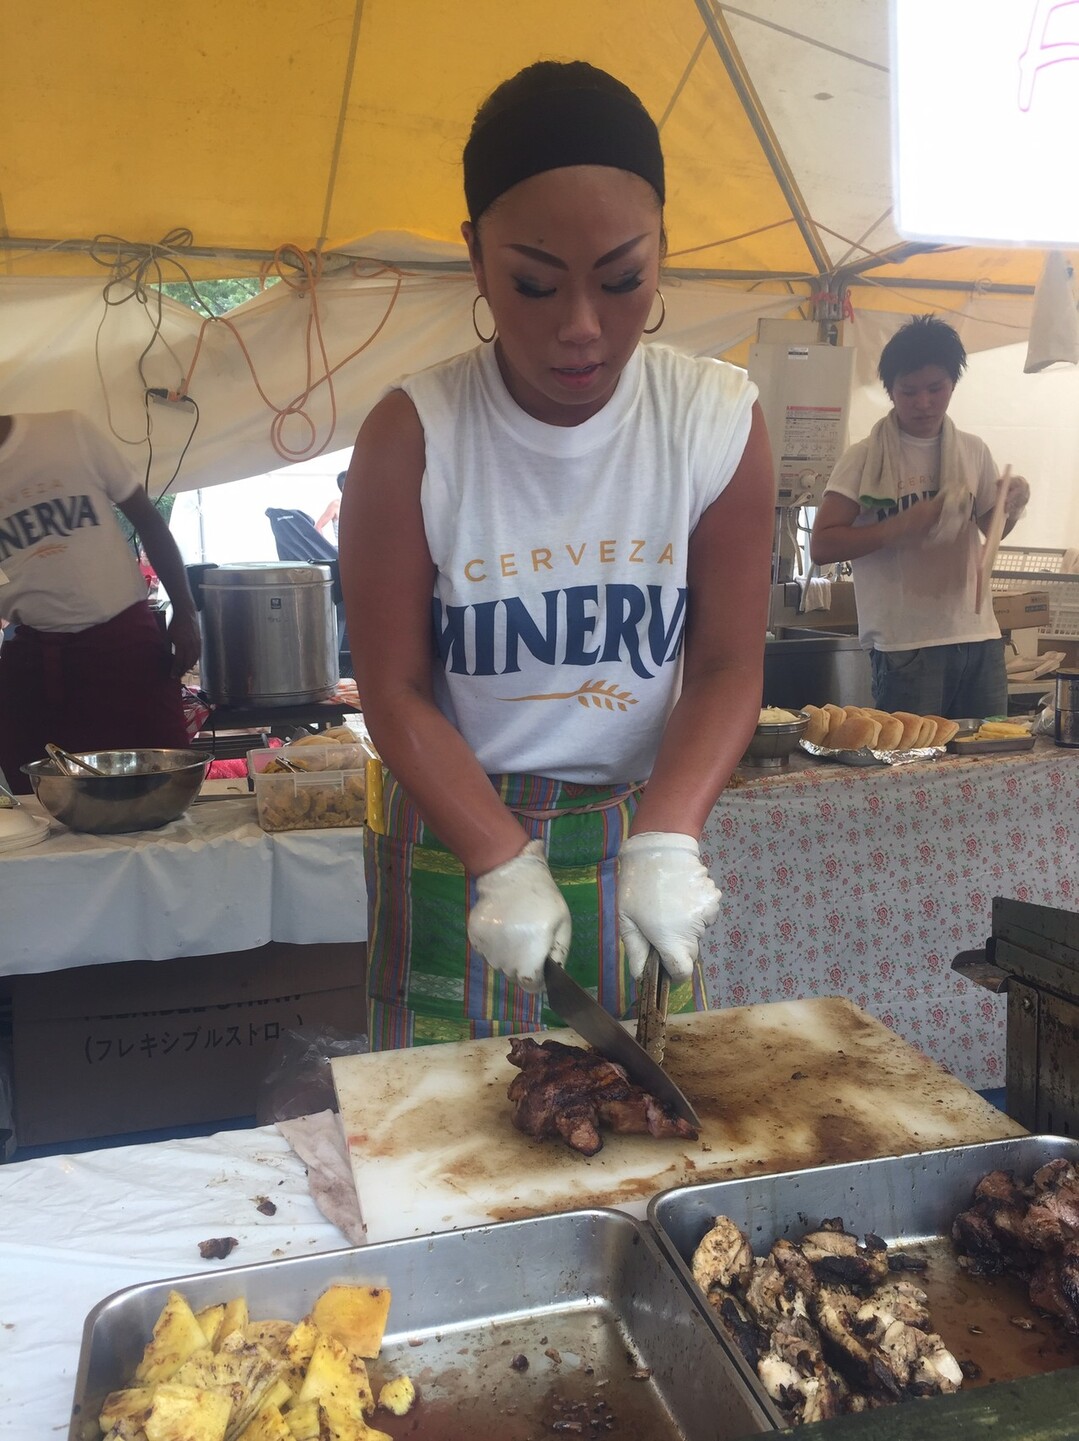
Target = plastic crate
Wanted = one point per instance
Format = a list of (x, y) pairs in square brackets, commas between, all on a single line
[(310, 787), (1040, 567)]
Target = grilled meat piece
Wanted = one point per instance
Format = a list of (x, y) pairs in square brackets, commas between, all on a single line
[(722, 1260), (836, 1257), (569, 1092), (1030, 1230), (752, 1340)]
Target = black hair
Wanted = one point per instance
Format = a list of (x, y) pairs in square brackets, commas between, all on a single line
[(341, 475), (552, 114), (924, 340)]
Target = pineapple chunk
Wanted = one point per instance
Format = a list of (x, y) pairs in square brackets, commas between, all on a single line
[(184, 1413), (234, 1319), (210, 1318), (397, 1396), (268, 1425), (177, 1335), (337, 1376), (125, 1412), (356, 1315), (303, 1421), (339, 1426), (270, 1334), (298, 1350)]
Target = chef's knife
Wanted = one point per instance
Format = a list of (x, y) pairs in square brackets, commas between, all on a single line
[(586, 1016)]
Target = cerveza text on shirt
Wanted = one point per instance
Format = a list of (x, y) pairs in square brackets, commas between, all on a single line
[(581, 625), (607, 552)]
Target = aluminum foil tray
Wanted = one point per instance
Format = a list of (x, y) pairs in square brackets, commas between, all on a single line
[(587, 1297), (909, 1201), (868, 757)]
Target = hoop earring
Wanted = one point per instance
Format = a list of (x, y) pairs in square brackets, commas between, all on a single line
[(475, 326), (651, 329)]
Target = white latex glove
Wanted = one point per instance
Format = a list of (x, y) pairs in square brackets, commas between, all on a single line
[(666, 898), (520, 918), (1018, 495)]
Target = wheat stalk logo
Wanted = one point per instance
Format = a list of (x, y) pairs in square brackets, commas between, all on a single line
[(605, 695)]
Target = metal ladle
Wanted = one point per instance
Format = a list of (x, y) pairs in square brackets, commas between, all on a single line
[(65, 763)]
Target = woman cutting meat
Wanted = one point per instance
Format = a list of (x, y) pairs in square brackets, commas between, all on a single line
[(540, 540)]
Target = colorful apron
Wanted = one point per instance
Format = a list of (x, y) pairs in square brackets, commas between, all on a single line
[(425, 982)]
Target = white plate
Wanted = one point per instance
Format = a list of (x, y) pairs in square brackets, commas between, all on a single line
[(40, 829)]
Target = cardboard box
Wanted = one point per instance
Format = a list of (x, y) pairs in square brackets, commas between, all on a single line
[(1016, 609), (110, 1049)]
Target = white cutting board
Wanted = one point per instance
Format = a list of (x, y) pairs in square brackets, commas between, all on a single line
[(777, 1087)]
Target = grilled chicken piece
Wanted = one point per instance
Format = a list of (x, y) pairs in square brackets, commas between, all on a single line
[(569, 1092), (795, 1373), (837, 1257), (897, 1301), (723, 1261), (752, 1340)]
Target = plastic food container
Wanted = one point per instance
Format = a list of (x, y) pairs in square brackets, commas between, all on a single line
[(309, 787)]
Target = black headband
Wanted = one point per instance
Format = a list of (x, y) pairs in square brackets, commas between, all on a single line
[(568, 127)]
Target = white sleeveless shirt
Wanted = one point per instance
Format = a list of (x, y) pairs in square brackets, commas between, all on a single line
[(561, 553)]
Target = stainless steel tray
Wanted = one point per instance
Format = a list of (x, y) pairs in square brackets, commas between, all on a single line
[(909, 1201), (587, 1297)]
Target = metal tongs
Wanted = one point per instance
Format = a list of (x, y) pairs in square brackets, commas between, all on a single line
[(653, 997), (70, 765)]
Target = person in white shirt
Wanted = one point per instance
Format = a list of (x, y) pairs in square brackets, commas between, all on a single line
[(87, 666), (907, 506), (539, 542)]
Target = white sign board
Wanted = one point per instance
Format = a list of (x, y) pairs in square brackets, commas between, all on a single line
[(985, 115)]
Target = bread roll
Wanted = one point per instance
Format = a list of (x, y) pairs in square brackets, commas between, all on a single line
[(912, 726), (855, 732), (944, 730), (836, 716), (927, 732), (817, 728), (891, 733)]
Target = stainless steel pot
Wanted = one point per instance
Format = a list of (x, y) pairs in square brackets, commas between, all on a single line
[(269, 632), (1066, 731)]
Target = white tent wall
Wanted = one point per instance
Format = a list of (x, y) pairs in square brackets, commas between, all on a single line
[(65, 348)]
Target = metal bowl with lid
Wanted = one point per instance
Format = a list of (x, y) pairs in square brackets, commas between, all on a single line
[(140, 790)]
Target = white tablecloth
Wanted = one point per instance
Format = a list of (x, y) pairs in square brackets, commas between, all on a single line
[(74, 1229), (867, 882), (211, 882)]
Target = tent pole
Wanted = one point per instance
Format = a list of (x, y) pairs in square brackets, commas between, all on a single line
[(723, 40)]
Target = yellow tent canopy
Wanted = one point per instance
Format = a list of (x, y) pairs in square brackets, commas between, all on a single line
[(323, 138), (218, 130)]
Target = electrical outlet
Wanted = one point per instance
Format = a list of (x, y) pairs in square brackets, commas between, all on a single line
[(170, 399)]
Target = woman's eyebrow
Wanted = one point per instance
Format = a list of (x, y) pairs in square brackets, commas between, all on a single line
[(547, 259)]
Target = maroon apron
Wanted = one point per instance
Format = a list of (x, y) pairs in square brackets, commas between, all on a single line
[(104, 688)]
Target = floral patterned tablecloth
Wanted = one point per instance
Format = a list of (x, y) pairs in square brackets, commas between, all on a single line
[(866, 882)]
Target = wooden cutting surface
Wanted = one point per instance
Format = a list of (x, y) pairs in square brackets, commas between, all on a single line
[(778, 1087)]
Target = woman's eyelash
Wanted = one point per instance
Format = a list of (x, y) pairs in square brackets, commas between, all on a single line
[(537, 292), (624, 287), (533, 292)]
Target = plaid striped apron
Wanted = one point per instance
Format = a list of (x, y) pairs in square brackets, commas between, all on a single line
[(426, 983)]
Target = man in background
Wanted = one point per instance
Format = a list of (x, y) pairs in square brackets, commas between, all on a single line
[(907, 507)]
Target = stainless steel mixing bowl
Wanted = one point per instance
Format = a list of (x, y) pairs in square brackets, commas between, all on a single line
[(140, 791), (771, 745)]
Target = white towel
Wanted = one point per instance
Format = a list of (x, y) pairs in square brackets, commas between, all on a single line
[(816, 594), (883, 463), (1054, 322)]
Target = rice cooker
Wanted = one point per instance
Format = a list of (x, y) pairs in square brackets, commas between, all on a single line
[(269, 632)]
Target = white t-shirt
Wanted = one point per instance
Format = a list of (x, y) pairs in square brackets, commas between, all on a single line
[(64, 562), (923, 594), (560, 593)]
